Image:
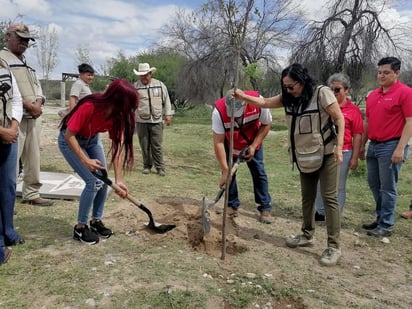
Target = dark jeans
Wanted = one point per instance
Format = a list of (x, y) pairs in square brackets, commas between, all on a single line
[(260, 184), (383, 180), (8, 161)]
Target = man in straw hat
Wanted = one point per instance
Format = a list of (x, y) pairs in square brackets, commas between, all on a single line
[(17, 42), (154, 103)]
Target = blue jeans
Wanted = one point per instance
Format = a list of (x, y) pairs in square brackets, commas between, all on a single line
[(383, 180), (94, 193), (343, 177), (260, 184), (8, 161)]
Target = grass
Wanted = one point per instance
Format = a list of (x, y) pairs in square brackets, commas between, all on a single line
[(53, 271)]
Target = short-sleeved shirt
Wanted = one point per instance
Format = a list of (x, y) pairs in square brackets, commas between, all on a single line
[(80, 89), (218, 127), (88, 120), (353, 123), (386, 111)]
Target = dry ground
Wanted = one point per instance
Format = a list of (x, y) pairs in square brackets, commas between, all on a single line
[(371, 274)]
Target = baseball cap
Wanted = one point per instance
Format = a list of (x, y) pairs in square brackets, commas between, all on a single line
[(21, 30), (238, 106)]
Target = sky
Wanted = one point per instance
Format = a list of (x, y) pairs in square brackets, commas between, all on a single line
[(105, 27)]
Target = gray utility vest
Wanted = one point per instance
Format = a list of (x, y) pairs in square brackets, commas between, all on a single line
[(29, 85), (6, 95), (312, 134), (150, 100)]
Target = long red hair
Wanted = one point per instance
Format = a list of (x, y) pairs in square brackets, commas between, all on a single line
[(122, 98)]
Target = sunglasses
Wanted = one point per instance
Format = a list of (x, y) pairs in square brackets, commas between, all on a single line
[(336, 90), (290, 87)]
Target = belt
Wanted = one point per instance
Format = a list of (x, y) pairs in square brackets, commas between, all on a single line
[(388, 140)]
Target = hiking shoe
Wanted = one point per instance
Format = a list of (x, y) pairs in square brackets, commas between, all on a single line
[(161, 172), (85, 235), (231, 212), (407, 214), (330, 256), (98, 227), (146, 171), (265, 217), (6, 254), (299, 241)]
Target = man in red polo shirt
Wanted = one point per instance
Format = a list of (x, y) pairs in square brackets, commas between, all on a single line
[(388, 126)]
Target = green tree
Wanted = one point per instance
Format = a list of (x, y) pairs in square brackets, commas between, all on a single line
[(168, 66), (122, 67)]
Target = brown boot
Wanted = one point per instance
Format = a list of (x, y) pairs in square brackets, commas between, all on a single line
[(407, 214), (231, 212), (265, 217)]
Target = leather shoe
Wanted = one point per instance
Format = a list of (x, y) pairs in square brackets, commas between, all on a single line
[(319, 217), (7, 254), (379, 232), (18, 241), (38, 202), (407, 214), (370, 226)]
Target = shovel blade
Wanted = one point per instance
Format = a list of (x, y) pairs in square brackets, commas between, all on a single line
[(158, 228), (205, 218)]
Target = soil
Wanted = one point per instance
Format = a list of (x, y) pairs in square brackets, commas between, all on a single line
[(370, 274)]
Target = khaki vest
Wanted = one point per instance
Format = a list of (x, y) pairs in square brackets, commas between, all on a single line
[(150, 100), (312, 134), (25, 76), (5, 104)]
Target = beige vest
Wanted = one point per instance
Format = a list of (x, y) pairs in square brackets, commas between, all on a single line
[(6, 97), (29, 85), (150, 101), (312, 132)]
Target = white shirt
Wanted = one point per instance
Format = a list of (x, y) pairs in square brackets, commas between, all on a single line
[(217, 124)]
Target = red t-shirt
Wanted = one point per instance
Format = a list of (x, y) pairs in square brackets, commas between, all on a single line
[(386, 111), (353, 123), (89, 120)]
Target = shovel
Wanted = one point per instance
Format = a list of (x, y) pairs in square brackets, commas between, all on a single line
[(157, 228), (205, 207)]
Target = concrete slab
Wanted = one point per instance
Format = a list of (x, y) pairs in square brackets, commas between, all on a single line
[(58, 186)]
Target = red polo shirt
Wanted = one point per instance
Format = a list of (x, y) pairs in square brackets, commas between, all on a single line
[(353, 123), (386, 111), (89, 120)]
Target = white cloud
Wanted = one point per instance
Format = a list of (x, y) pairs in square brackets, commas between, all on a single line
[(104, 27)]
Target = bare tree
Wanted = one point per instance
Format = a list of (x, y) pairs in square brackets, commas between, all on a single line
[(82, 56), (222, 34), (351, 39), (47, 44)]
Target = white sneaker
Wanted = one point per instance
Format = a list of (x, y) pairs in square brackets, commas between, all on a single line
[(330, 256), (299, 241)]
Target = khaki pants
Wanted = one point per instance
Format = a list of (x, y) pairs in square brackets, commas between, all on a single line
[(29, 152), (328, 178), (150, 139)]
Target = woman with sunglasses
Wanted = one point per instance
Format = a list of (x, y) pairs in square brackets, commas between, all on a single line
[(315, 125), (339, 83)]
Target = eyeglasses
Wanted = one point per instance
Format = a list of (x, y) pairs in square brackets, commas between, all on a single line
[(290, 87), (336, 90)]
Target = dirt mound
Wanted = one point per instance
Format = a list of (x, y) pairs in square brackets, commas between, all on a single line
[(186, 215)]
